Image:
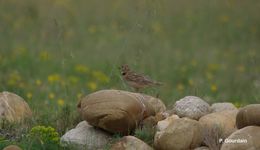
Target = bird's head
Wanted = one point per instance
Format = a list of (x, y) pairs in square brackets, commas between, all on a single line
[(124, 69)]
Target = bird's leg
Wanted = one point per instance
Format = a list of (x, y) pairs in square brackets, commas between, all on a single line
[(157, 95), (137, 90)]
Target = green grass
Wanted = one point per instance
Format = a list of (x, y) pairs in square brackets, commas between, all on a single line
[(54, 52), (146, 134)]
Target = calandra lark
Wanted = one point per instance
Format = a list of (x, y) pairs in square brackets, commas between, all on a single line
[(135, 80)]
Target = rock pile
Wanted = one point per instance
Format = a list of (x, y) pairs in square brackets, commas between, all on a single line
[(192, 123)]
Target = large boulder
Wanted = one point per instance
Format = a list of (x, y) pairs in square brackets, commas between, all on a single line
[(85, 136), (217, 107), (225, 120), (192, 107), (13, 108), (247, 138), (181, 134), (130, 143), (218, 125), (248, 115), (118, 111)]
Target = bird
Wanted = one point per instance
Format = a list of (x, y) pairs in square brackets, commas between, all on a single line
[(136, 80)]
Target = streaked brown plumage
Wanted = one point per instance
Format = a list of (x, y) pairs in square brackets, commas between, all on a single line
[(135, 80)]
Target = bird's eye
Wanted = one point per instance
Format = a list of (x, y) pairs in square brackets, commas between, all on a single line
[(123, 73)]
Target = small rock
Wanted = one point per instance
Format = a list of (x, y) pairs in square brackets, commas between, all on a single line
[(192, 107), (217, 107), (161, 116), (153, 120), (183, 133), (149, 121), (13, 108), (161, 125), (202, 148), (248, 115), (246, 138), (85, 136), (130, 143), (12, 147)]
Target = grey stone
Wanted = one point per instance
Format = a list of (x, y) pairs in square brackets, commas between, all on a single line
[(217, 107), (192, 107), (85, 136)]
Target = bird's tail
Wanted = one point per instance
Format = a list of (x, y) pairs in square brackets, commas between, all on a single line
[(158, 83)]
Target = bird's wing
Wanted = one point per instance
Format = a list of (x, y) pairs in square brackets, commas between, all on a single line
[(140, 78)]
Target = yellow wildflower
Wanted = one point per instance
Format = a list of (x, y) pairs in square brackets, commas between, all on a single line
[(44, 55), (79, 95), (60, 102), (11, 82), (213, 87), (54, 78), (100, 76), (14, 78), (81, 68), (92, 85), (15, 75), (19, 51), (209, 75), (213, 67), (51, 95), (38, 82), (238, 104), (73, 79), (180, 87), (29, 95), (191, 83)]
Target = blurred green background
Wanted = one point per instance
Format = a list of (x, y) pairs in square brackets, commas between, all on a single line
[(54, 51)]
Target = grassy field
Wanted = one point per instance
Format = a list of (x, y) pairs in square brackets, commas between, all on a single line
[(52, 52)]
